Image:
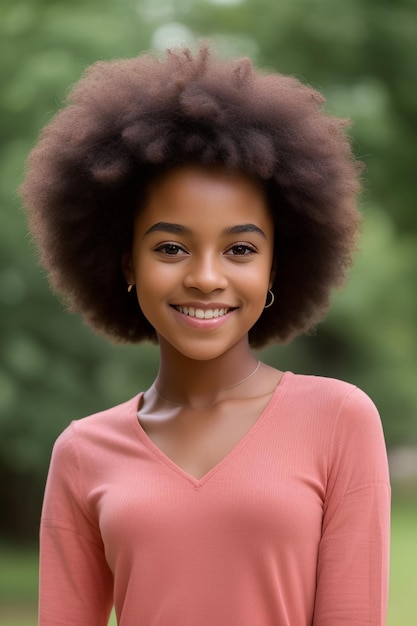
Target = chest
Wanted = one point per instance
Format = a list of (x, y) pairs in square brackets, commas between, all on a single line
[(256, 497), (266, 492), (197, 442)]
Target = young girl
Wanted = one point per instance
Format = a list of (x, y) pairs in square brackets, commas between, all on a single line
[(198, 203)]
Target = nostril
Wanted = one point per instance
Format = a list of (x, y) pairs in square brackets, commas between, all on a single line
[(205, 282)]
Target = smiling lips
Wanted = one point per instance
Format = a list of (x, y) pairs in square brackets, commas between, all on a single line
[(203, 314)]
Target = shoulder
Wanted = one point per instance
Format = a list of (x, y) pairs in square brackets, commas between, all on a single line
[(342, 404), (354, 423), (98, 427), (319, 384), (347, 423), (322, 390)]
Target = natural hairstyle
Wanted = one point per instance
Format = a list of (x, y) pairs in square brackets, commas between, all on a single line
[(127, 120)]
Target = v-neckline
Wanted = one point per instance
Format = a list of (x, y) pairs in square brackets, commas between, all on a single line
[(225, 460)]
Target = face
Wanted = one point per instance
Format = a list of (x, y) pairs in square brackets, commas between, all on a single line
[(201, 259)]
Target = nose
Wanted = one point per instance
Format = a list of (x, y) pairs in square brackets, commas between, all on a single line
[(206, 273)]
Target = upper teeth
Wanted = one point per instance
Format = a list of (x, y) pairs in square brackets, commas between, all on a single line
[(205, 314)]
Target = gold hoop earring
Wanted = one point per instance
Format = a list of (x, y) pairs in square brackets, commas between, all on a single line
[(130, 287), (272, 299)]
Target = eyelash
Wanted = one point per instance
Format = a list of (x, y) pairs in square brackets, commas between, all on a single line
[(163, 248), (248, 249)]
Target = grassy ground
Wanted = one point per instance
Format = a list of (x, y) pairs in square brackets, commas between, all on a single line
[(18, 576), (402, 609), (18, 582)]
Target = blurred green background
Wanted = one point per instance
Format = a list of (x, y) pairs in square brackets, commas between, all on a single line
[(362, 55)]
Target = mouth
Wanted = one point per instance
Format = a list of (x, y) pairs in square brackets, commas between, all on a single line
[(203, 314)]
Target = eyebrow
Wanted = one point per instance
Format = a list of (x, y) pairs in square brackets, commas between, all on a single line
[(178, 229), (244, 228), (168, 227)]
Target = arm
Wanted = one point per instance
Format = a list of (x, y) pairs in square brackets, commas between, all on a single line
[(352, 570), (75, 580)]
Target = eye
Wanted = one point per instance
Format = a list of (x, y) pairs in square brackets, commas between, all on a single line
[(241, 249), (171, 249)]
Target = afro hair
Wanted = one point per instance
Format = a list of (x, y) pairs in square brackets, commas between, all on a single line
[(127, 120)]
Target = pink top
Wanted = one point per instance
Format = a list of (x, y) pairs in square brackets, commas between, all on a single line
[(290, 529)]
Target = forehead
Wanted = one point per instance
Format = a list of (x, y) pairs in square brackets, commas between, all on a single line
[(205, 196)]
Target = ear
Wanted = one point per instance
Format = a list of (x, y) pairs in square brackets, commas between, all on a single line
[(127, 269)]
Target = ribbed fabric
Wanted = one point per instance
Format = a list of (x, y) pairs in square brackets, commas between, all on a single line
[(291, 528)]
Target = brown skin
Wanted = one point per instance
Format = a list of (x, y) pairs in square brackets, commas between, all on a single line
[(204, 265)]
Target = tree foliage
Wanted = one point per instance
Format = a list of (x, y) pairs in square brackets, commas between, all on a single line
[(360, 54)]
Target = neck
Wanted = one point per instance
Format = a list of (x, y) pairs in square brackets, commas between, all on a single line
[(191, 382)]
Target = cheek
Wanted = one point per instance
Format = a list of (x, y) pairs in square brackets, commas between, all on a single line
[(256, 278), (160, 282), (149, 274), (155, 283)]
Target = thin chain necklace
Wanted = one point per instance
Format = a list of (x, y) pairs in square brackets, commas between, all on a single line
[(240, 382)]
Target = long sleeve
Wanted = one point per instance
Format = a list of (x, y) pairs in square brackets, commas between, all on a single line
[(352, 574), (75, 580), (289, 528)]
